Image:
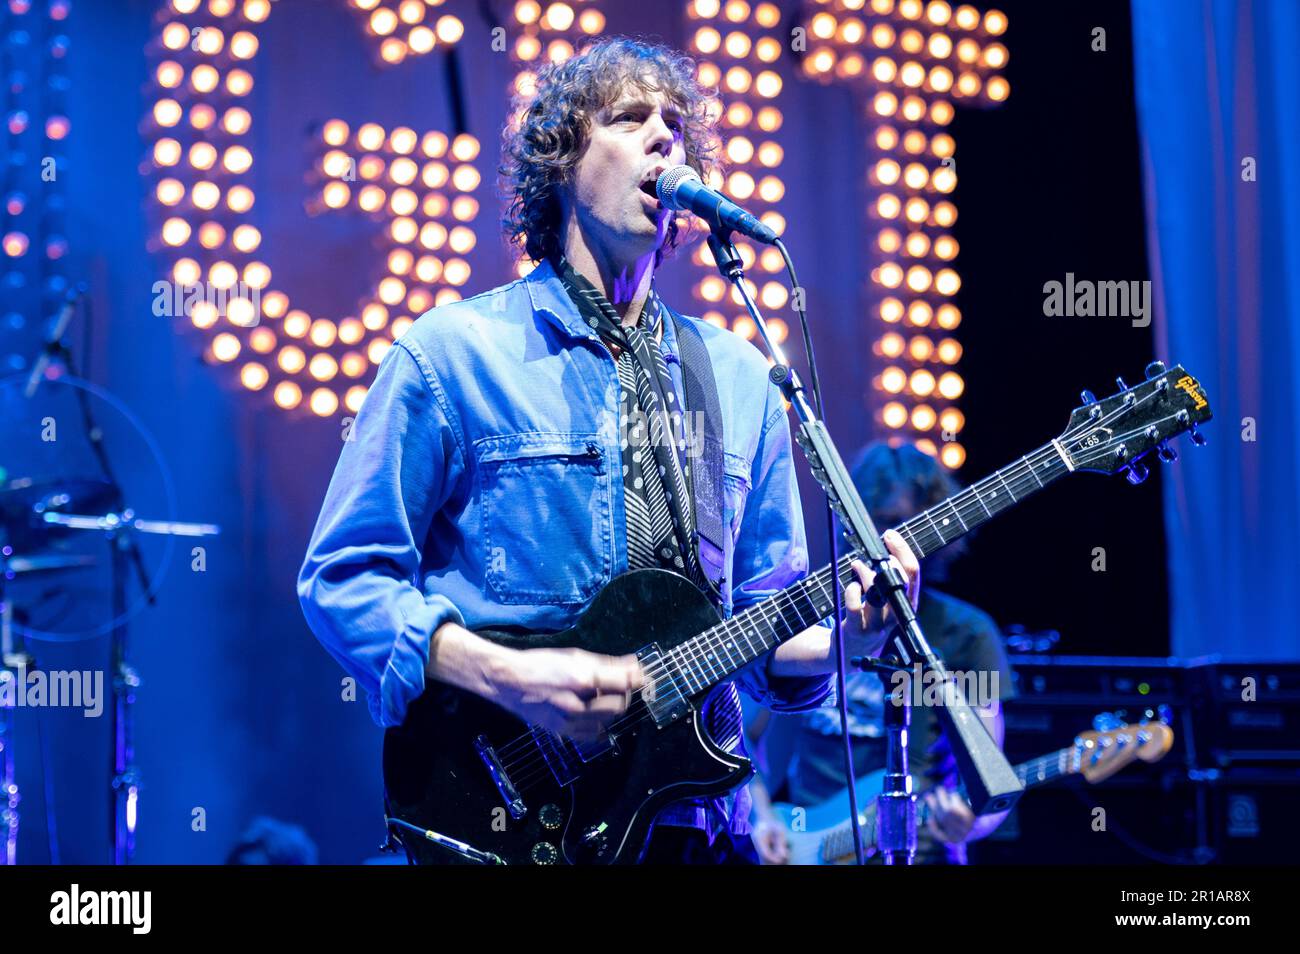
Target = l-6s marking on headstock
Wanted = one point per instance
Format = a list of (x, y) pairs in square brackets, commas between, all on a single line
[(1115, 433)]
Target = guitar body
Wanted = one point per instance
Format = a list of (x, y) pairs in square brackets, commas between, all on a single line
[(573, 806), (806, 828)]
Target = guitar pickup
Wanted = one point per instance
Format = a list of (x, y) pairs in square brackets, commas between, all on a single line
[(663, 696), (514, 803)]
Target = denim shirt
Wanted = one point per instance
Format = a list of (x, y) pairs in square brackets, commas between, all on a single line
[(479, 485)]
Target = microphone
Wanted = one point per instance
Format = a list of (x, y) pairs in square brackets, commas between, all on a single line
[(680, 188), (54, 342)]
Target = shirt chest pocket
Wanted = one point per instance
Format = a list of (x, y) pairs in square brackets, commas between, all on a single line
[(546, 517)]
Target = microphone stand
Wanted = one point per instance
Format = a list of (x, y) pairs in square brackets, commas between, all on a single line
[(991, 784)]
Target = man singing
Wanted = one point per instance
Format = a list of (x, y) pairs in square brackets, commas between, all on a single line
[(517, 450)]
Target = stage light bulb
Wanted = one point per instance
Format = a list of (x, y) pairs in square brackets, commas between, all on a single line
[(456, 271), (948, 317), (175, 232), (374, 316), (209, 41), (257, 275), (923, 417), (527, 11), (464, 208), (888, 206), (461, 240), (175, 36), (239, 82), (169, 191), (262, 339), (428, 269), (166, 152), (204, 195), (918, 244), (275, 304), (997, 88), (893, 414), (767, 84), (403, 140), (951, 385), (322, 367), (169, 74), (995, 22), (212, 235), (919, 313), (370, 198), (297, 323), (202, 116), (186, 272), (256, 11), (376, 350), (947, 282), (559, 17), (291, 359), (465, 178), (885, 103), (383, 21), (236, 121), (952, 420), (167, 112), (740, 149), (223, 275), (890, 275), (254, 376), (350, 332), (237, 160), (225, 347), (893, 380), (403, 202), (891, 310), (335, 195), (920, 348), (882, 36), (288, 395), (203, 314), (433, 235), (246, 238), (403, 230), (421, 39), (411, 12), (449, 29), (921, 382), (769, 119), (241, 312), (239, 198)]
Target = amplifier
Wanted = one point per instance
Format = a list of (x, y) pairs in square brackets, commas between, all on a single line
[(1246, 712)]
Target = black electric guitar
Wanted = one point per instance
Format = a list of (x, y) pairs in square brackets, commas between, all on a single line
[(481, 786)]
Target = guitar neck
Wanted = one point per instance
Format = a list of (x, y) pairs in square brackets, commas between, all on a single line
[(838, 841), (718, 652)]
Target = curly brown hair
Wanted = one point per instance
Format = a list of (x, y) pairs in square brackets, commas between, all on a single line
[(542, 145)]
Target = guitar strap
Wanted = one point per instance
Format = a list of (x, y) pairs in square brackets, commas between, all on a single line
[(702, 427)]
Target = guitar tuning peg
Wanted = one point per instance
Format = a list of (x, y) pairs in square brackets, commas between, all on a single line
[(1122, 385), (1155, 369), (1167, 453), (1105, 721), (1136, 472), (1197, 437), (1088, 397)]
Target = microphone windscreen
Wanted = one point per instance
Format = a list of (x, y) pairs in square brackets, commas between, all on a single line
[(670, 180)]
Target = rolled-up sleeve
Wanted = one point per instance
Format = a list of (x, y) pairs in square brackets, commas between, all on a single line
[(771, 553), (360, 585)]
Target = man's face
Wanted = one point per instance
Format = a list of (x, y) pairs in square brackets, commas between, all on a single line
[(630, 142)]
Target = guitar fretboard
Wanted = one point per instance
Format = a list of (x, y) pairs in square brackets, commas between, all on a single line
[(720, 651), (838, 842)]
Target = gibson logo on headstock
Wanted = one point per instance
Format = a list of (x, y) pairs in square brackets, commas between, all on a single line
[(1188, 383)]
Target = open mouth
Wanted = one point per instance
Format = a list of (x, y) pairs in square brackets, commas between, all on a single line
[(648, 187)]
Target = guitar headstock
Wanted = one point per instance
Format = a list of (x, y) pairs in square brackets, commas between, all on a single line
[(1100, 753), (1115, 433)]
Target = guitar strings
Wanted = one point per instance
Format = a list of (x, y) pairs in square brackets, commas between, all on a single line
[(528, 767), (535, 764)]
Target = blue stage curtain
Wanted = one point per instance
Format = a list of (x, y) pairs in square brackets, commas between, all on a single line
[(1218, 96)]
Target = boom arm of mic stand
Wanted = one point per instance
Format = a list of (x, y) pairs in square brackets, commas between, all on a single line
[(991, 785)]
